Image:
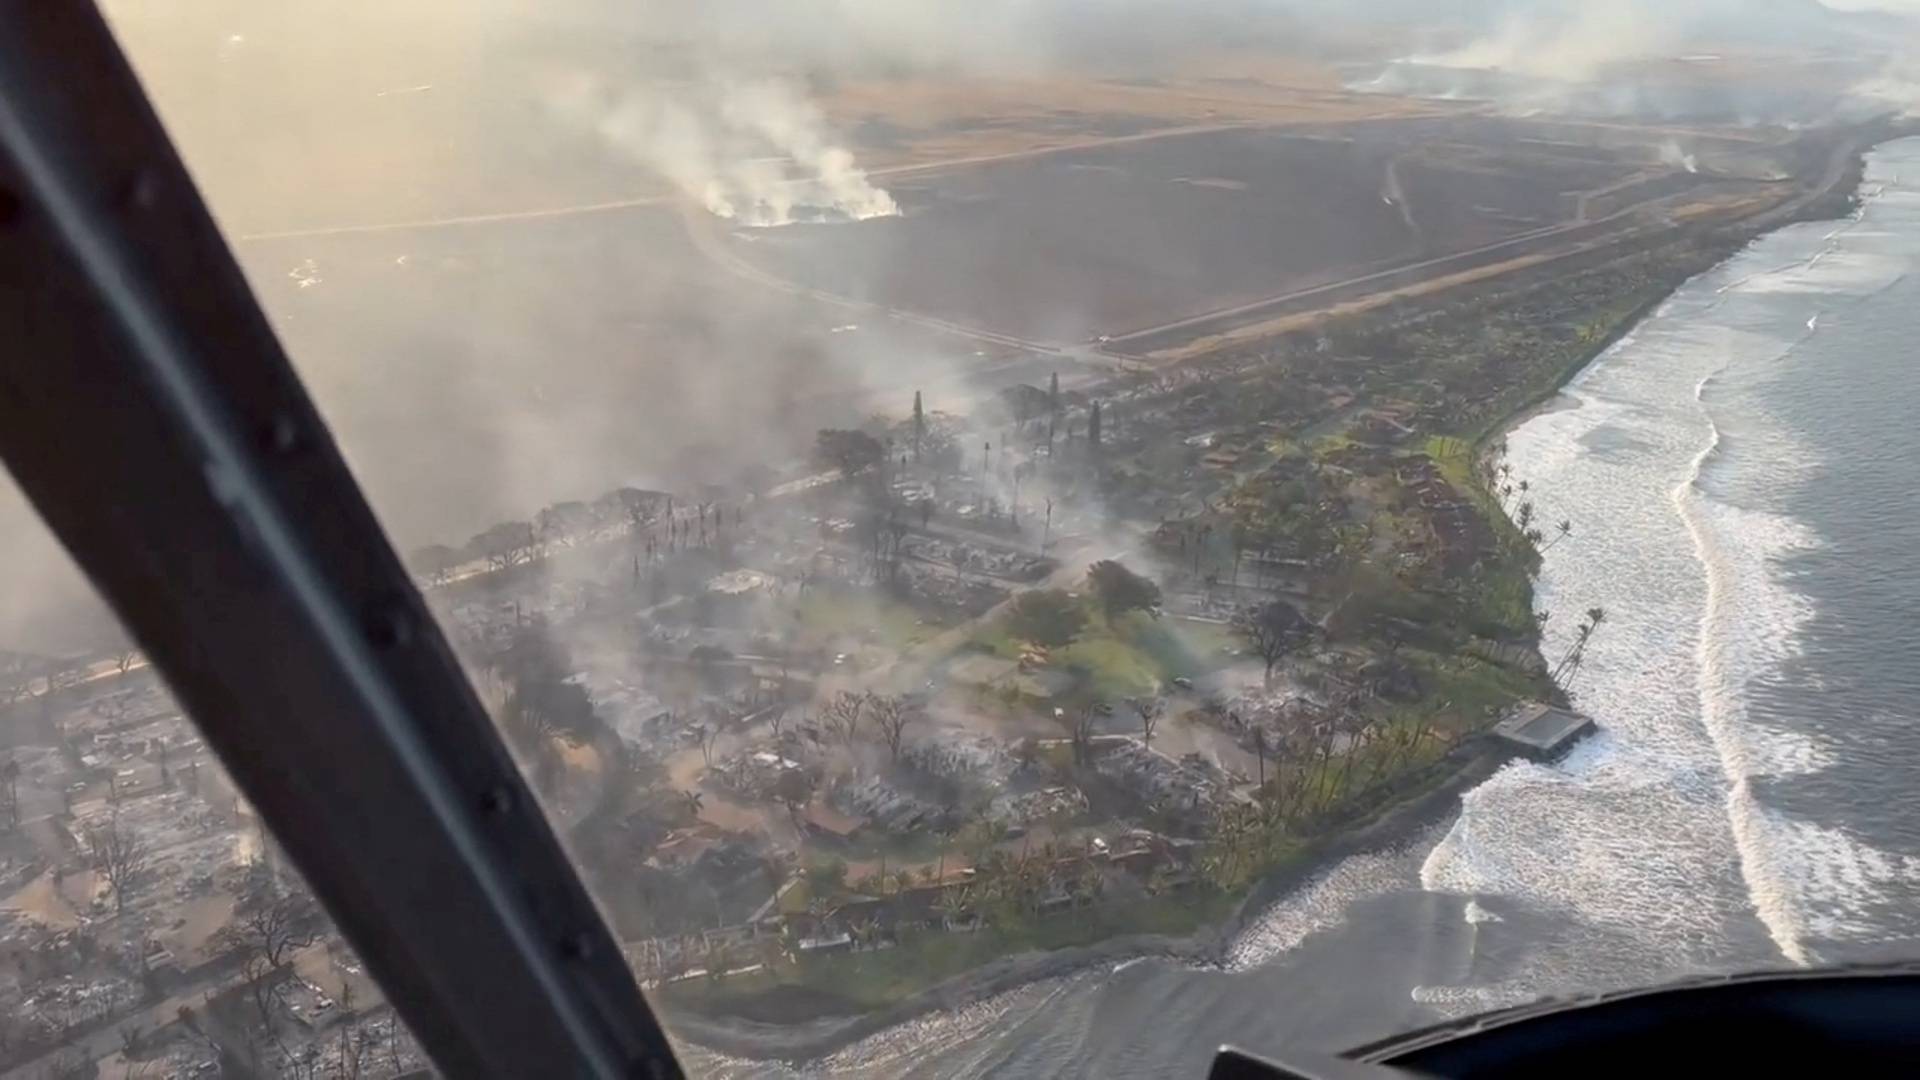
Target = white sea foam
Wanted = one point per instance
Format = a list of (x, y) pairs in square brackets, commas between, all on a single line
[(1323, 903), (1454, 1001), (1633, 832), (1838, 877), (1730, 565)]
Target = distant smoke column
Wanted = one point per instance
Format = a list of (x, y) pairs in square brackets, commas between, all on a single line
[(828, 177), (1671, 154), (754, 152)]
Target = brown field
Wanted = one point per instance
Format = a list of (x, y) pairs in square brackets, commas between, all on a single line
[(1134, 238), (914, 122)]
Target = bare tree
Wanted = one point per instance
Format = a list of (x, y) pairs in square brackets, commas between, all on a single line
[(841, 716), (1082, 731), (266, 931), (1149, 710), (273, 926), (120, 856), (892, 715)]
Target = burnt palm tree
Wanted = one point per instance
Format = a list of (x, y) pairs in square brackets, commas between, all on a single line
[(1260, 756)]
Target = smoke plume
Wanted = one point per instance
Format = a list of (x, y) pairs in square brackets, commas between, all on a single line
[(756, 152), (1672, 154)]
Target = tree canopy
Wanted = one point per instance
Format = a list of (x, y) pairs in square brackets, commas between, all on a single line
[(1047, 617), (849, 451), (1273, 629), (1119, 590), (506, 544), (433, 561)]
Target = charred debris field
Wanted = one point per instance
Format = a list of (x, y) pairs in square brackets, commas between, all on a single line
[(994, 674), (1075, 665)]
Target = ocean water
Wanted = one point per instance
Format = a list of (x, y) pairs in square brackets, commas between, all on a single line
[(1739, 473)]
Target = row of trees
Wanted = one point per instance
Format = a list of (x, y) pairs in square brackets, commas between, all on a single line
[(1053, 618), (562, 525), (1306, 776), (885, 718), (1515, 497), (540, 705)]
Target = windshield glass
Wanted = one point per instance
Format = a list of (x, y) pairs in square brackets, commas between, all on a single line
[(1062, 534)]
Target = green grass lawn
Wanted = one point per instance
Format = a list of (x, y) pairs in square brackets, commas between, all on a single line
[(826, 615), (881, 977), (1133, 655)]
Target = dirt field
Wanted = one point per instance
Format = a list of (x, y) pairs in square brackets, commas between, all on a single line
[(1114, 239), (917, 121)]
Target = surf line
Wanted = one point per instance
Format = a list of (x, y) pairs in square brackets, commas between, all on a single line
[(1758, 870)]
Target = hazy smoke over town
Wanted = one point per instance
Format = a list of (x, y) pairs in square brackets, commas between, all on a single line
[(472, 383)]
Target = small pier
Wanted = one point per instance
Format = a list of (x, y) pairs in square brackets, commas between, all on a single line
[(1540, 731)]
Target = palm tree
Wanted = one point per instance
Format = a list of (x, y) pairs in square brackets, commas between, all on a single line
[(1569, 666), (953, 904), (942, 834), (10, 774), (694, 802), (1563, 530)]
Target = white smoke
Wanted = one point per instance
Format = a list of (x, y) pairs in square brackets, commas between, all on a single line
[(1565, 43), (754, 152), (1895, 87), (1672, 154)]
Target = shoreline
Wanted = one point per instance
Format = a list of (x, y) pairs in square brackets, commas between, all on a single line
[(1472, 763), (1430, 801)]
